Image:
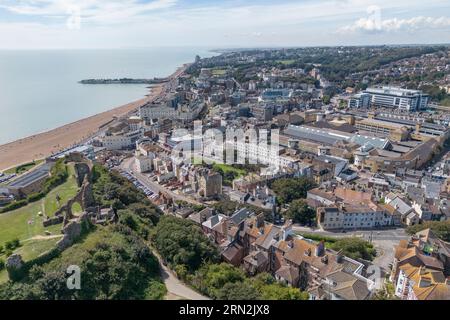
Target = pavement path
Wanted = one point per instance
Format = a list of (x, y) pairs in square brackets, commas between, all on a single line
[(176, 289)]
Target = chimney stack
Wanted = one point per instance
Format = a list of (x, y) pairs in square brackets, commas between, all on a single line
[(320, 249)]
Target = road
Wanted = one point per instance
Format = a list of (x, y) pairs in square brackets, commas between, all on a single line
[(383, 240), (165, 89), (128, 165), (175, 288)]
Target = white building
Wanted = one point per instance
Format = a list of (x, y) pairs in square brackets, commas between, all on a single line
[(360, 100), (143, 163), (122, 140), (181, 112), (353, 217), (403, 99)]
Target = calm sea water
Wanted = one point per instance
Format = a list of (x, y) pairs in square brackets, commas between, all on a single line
[(39, 90)]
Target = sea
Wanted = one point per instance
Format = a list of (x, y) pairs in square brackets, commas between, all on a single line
[(39, 89)]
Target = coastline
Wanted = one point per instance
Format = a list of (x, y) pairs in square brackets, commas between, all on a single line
[(42, 145)]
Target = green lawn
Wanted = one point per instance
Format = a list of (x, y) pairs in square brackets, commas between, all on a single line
[(80, 250), (286, 62), (66, 191), (25, 223), (218, 72), (23, 168), (32, 249), (3, 276), (227, 168), (76, 208), (229, 173)]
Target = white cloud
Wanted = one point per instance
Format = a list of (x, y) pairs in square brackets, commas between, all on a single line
[(371, 24), (122, 23), (91, 10)]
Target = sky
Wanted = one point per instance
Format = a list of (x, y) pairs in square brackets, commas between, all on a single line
[(56, 24)]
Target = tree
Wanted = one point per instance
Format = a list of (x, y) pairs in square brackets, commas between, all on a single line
[(212, 278), (278, 292), (181, 271), (385, 293), (440, 228), (182, 242), (238, 291), (291, 189), (16, 243), (355, 248), (300, 212), (269, 289)]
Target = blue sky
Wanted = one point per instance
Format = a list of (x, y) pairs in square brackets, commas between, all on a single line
[(36, 24)]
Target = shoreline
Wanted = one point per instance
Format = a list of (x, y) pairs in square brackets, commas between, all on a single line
[(42, 145)]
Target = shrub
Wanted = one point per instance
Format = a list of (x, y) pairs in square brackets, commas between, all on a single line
[(36, 196), (181, 242), (9, 245), (355, 248), (440, 228), (15, 205), (16, 243)]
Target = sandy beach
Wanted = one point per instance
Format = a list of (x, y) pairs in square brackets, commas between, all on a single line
[(44, 144)]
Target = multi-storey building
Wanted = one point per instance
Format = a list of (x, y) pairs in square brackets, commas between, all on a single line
[(421, 268), (403, 99), (360, 100), (122, 140), (247, 240)]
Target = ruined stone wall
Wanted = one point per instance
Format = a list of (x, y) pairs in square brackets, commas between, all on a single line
[(83, 172)]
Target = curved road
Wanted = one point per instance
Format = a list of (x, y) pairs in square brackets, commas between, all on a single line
[(175, 287)]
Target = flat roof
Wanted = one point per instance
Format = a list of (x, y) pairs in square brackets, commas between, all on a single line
[(314, 134), (32, 176), (393, 91)]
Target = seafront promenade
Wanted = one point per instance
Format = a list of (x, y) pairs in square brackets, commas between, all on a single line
[(42, 145)]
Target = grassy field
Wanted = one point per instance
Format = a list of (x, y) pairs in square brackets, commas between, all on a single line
[(76, 208), (81, 251), (286, 62), (218, 72), (227, 168), (65, 192), (25, 223), (23, 168), (3, 276), (229, 173), (31, 249)]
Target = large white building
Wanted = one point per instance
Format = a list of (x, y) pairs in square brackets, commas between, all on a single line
[(143, 163), (353, 217), (181, 112), (359, 100), (393, 97), (119, 141)]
